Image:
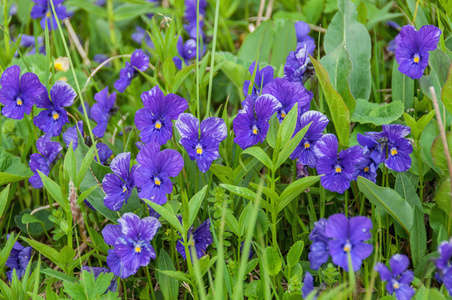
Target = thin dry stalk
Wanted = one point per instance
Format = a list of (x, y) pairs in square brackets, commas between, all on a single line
[(76, 42), (268, 12), (260, 13)]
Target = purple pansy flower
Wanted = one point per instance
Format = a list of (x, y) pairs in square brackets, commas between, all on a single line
[(200, 238), (190, 16), (288, 93), (52, 119), (29, 41), (138, 61), (250, 254), (103, 110), (305, 150), (99, 270), (412, 48), (155, 119), (71, 135), (19, 93), (131, 240), (319, 250), (49, 153), (372, 146), (398, 278), (251, 124), (302, 30), (118, 186), (152, 176), (398, 147), (262, 77), (297, 62), (18, 260), (202, 148), (443, 265), (43, 9), (338, 168), (100, 58), (104, 153), (366, 168), (308, 286), (187, 51), (140, 34), (347, 237)]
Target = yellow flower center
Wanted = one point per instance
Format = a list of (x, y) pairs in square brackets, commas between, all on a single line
[(63, 78), (59, 66), (124, 190), (56, 116), (198, 149), (19, 101), (158, 124), (395, 285), (137, 249), (366, 169), (393, 151), (307, 145), (157, 181), (48, 14), (347, 247), (255, 129), (338, 169), (416, 58)]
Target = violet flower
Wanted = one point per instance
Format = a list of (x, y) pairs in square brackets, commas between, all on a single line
[(155, 119), (28, 41), (43, 9), (187, 51), (18, 260), (104, 153), (319, 249), (398, 278), (152, 176), (372, 146), (443, 265), (201, 147), (398, 147), (338, 168), (100, 58), (140, 34), (52, 119), (305, 150), (288, 93), (200, 238), (118, 186), (308, 286), (103, 110), (138, 61), (19, 93), (302, 30), (190, 16), (131, 240), (251, 123), (262, 77), (297, 62), (366, 168), (412, 48), (347, 237), (49, 153), (71, 135), (99, 270)]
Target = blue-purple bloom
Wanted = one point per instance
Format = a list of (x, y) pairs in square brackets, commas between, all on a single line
[(118, 186), (155, 119), (338, 168), (18, 260), (49, 152), (152, 176), (366, 168), (288, 93), (138, 61), (19, 93), (190, 16), (200, 238), (251, 123), (100, 58), (43, 9), (398, 278), (319, 251), (52, 119), (443, 265), (305, 150), (412, 48), (396, 146), (297, 61), (372, 146), (29, 41), (103, 110), (308, 286), (302, 30), (99, 270), (262, 77), (104, 153), (187, 51), (140, 34), (131, 240), (201, 147), (71, 135), (347, 237)]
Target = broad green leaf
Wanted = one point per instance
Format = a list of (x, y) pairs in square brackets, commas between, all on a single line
[(54, 190), (439, 64), (345, 28), (439, 157), (258, 42), (90, 7), (340, 113), (246, 193), (223, 173), (34, 229), (47, 251), (290, 146), (417, 127), (168, 215), (266, 191), (272, 261), (230, 66), (287, 127), (129, 11), (11, 169), (443, 196), (195, 204), (406, 190), (388, 200), (59, 275), (169, 70), (258, 153), (428, 136), (69, 164), (181, 76), (4, 199), (294, 189), (232, 223), (293, 256), (421, 19), (181, 276), (402, 87), (86, 162), (418, 237), (285, 41), (446, 94), (169, 286), (338, 65), (377, 114)]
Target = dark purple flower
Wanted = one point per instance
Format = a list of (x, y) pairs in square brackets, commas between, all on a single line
[(52, 119), (140, 34), (153, 213), (190, 16), (302, 30), (202, 148), (152, 176), (49, 153), (302, 171), (288, 93), (186, 51), (251, 123), (393, 25), (308, 286), (18, 260), (103, 110), (398, 147), (305, 150), (43, 9), (88, 110), (19, 93), (29, 40), (392, 46), (200, 238), (366, 168), (155, 119), (338, 168), (13, 9), (443, 265), (118, 186), (297, 61), (99, 270), (100, 58), (100, 2), (372, 146), (262, 77), (104, 153), (398, 278), (347, 237), (412, 48), (138, 61), (319, 250), (131, 240), (250, 254), (71, 135)]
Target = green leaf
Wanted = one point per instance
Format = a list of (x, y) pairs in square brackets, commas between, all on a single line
[(443, 196), (69, 164), (232, 223), (4, 199), (439, 64), (428, 136), (181, 76), (406, 190), (421, 19), (11, 169), (402, 87), (340, 114), (89, 7), (169, 70), (287, 127), (58, 275), (377, 114), (338, 65), (195, 204), (175, 274), (223, 173), (272, 261), (345, 29), (167, 214), (27, 218), (285, 41), (439, 157), (86, 162), (54, 190), (47, 251), (129, 11), (418, 237), (446, 93), (246, 193), (258, 153), (293, 256), (294, 189), (388, 200), (290, 146), (258, 42), (169, 286)]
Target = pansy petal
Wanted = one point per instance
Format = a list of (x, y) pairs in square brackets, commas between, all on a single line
[(337, 227), (213, 128), (120, 165), (399, 263), (10, 78), (62, 94), (169, 161), (111, 234), (188, 126)]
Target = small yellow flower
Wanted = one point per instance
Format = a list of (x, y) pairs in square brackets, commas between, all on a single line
[(61, 64)]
